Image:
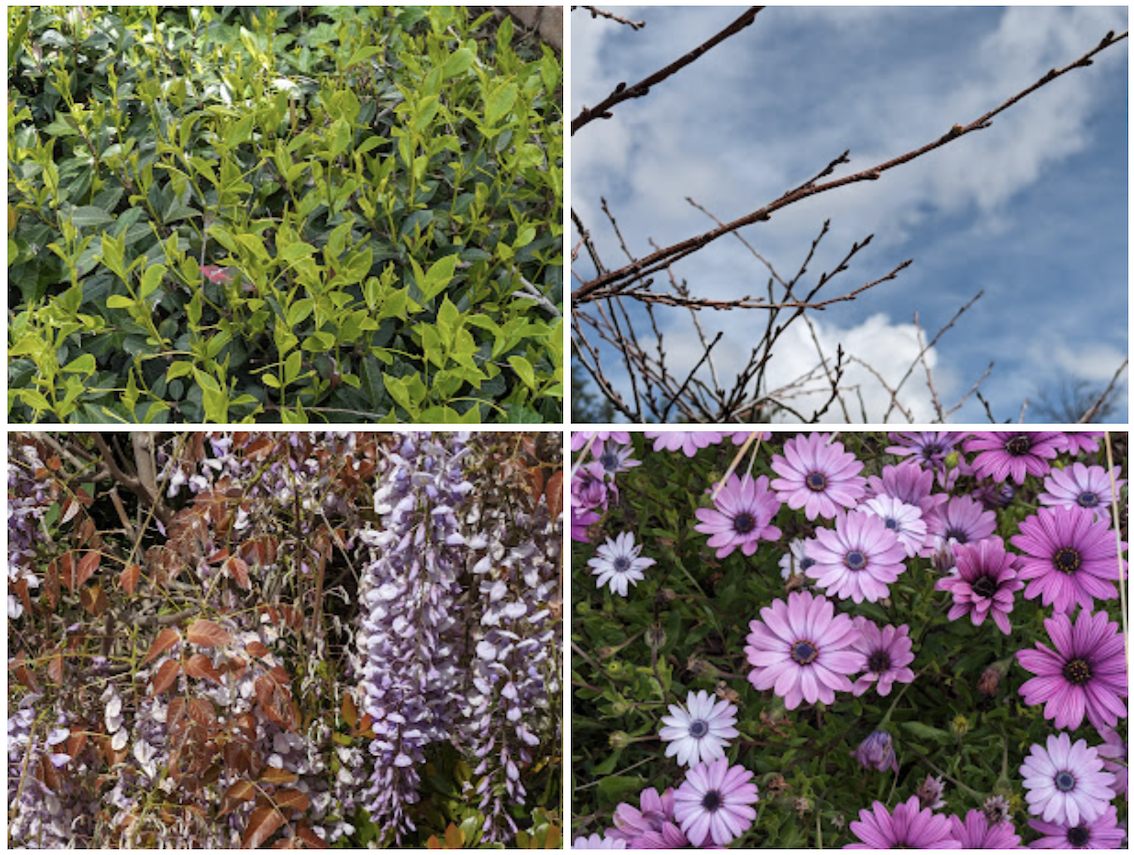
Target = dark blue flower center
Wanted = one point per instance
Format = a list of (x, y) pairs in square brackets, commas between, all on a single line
[(891, 523), (985, 586), (855, 560), (1087, 499), (1079, 836), (816, 482), (609, 461), (621, 564), (1064, 781), (743, 522), (711, 801), (931, 450), (804, 652), (805, 563), (879, 662), (1020, 444), (1077, 672), (698, 728), (957, 534), (1067, 560)]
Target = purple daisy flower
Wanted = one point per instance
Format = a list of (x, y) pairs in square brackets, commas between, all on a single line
[(983, 582), (976, 832), (1084, 675), (580, 438), (795, 561), (818, 476), (909, 827), (877, 752), (699, 731), (928, 448), (1066, 782), (1004, 455), (742, 516), (858, 559), (1079, 441), (581, 520), (962, 519), (1113, 752), (907, 482), (886, 654), (590, 487), (1102, 833), (1069, 558), (715, 802), (615, 458), (1083, 486), (687, 442), (802, 650), (618, 564), (902, 519), (598, 841), (652, 825)]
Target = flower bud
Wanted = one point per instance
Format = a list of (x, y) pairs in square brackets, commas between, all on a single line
[(619, 740), (930, 793), (959, 725), (877, 752)]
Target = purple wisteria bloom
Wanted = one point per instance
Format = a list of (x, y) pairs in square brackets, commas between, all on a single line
[(818, 476), (886, 655), (1082, 675), (910, 826), (1069, 559), (983, 583), (976, 832), (1002, 455), (741, 517), (858, 559)]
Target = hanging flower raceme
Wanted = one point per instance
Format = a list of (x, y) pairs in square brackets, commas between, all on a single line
[(409, 589)]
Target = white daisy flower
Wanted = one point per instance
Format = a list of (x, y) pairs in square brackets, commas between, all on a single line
[(700, 731), (619, 565)]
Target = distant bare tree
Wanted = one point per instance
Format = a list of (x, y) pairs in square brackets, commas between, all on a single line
[(601, 319)]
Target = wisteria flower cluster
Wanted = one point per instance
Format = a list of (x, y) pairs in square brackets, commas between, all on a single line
[(222, 640), (910, 640)]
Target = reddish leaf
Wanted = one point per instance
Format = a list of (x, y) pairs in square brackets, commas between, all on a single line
[(272, 775), (350, 711), (128, 578), (257, 649), (218, 556), (21, 588), (555, 494), (165, 676), (67, 570), (55, 668), (310, 838), (93, 600), (201, 712), (262, 824), (238, 569), (87, 566), (164, 641), (241, 791), (70, 508), (289, 799), (200, 667), (208, 634)]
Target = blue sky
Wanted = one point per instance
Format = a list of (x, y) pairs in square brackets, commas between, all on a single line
[(1033, 210)]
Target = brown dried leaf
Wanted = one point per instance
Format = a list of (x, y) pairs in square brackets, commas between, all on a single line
[(93, 600), (164, 641), (70, 508), (272, 775), (257, 649), (55, 668), (310, 838), (165, 676), (237, 568), (88, 564), (199, 666), (241, 791), (349, 711), (262, 824), (208, 634), (287, 798), (128, 578), (555, 494)]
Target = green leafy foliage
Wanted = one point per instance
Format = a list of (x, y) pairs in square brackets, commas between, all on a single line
[(282, 214), (682, 629)]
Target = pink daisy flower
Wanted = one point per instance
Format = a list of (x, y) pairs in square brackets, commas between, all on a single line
[(1083, 486), (580, 438), (715, 802), (983, 582), (581, 521), (688, 442), (886, 654), (1113, 752), (1069, 558), (1066, 782), (742, 516), (1002, 455), (908, 827), (1102, 833), (962, 519), (902, 519), (858, 559), (802, 650), (907, 482), (818, 476), (652, 825), (598, 841), (1079, 441), (976, 832), (1084, 675), (928, 448)]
